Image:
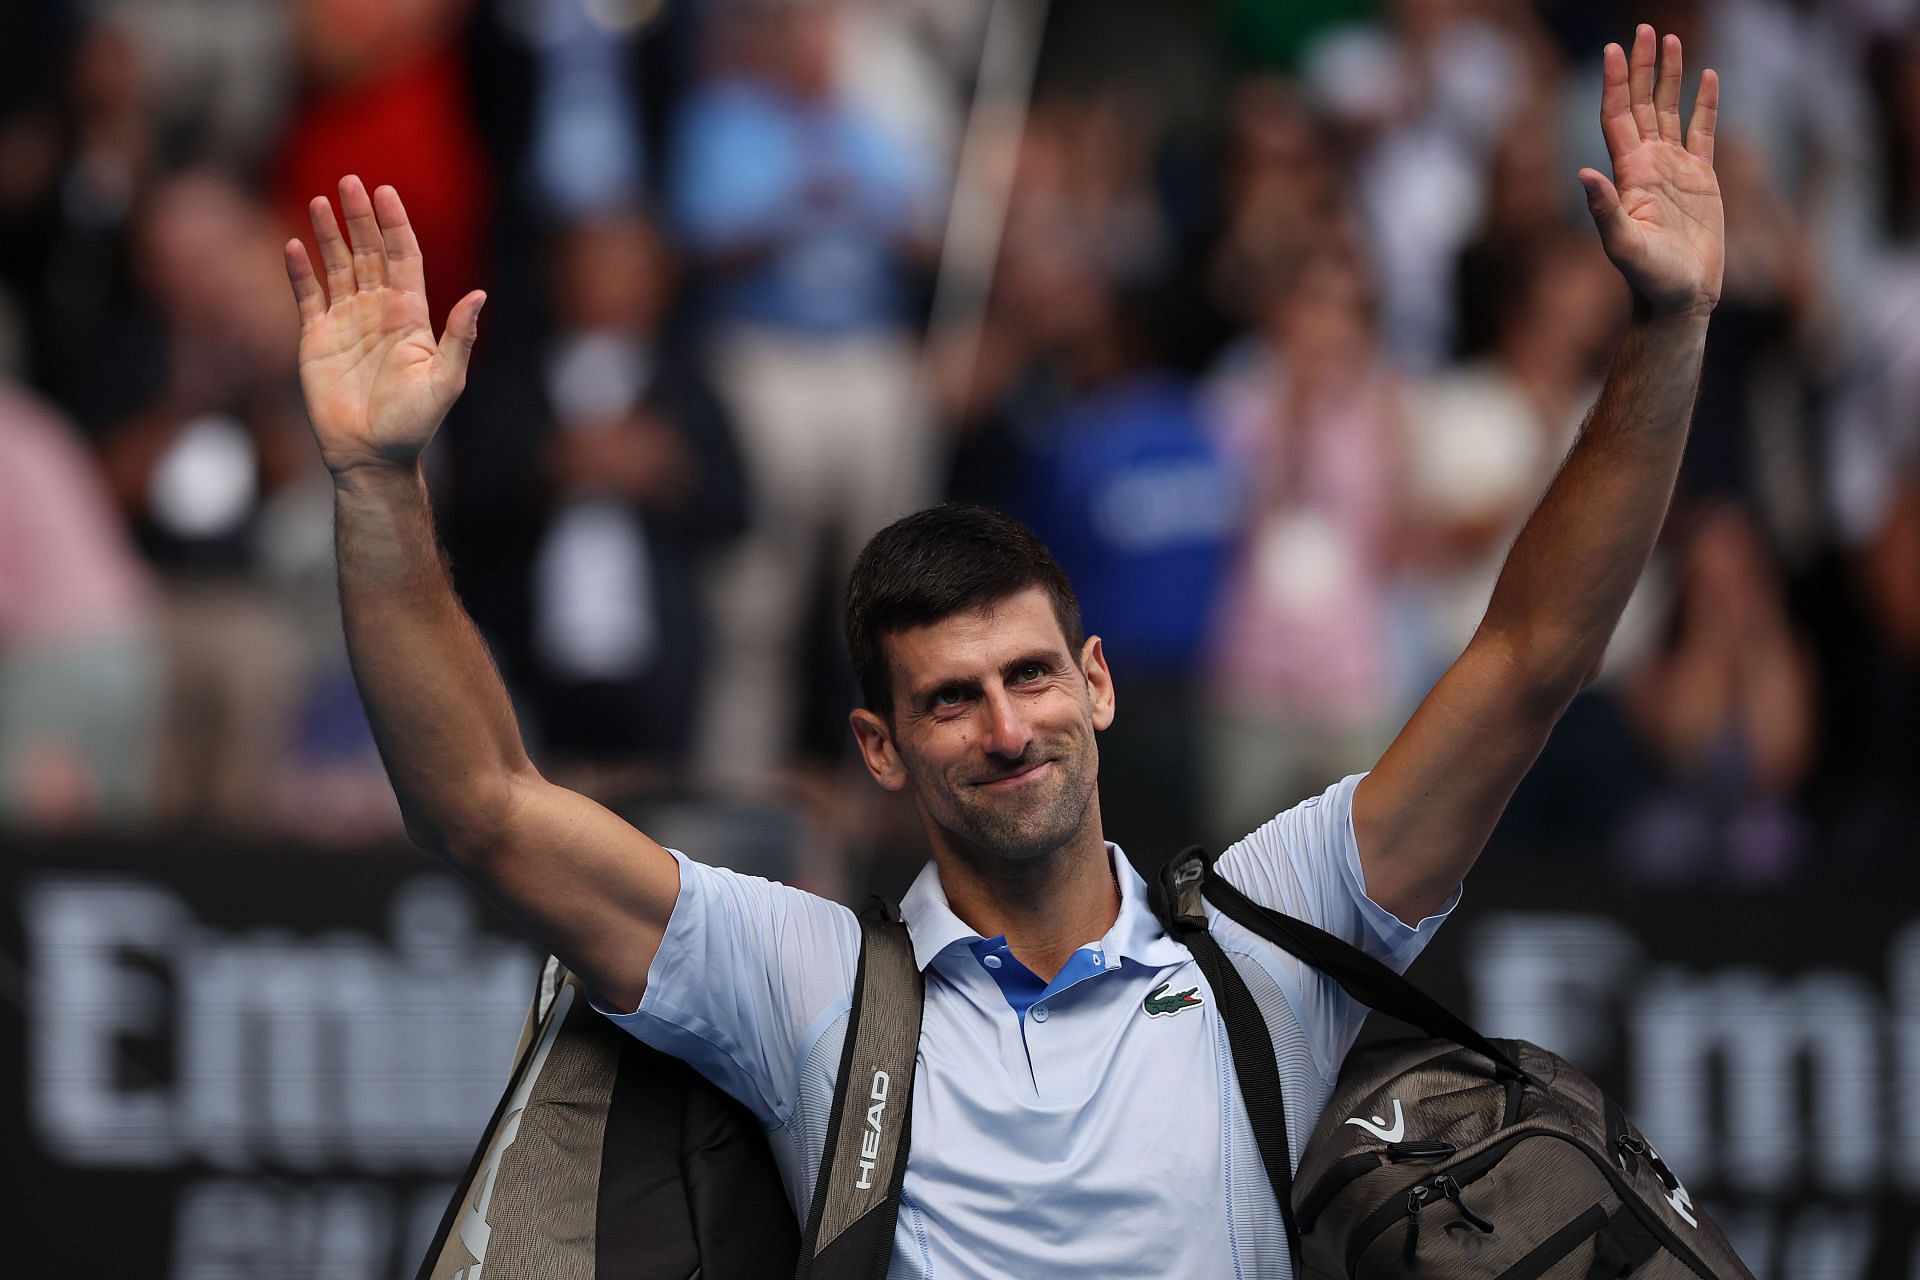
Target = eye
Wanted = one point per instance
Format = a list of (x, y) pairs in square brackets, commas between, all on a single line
[(1032, 671), (951, 696)]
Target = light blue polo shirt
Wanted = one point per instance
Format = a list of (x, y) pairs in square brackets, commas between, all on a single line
[(1089, 1126)]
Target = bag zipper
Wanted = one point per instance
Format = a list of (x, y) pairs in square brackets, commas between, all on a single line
[(1631, 1147), (1417, 1196), (1617, 1139), (1475, 1167), (1342, 1172), (1435, 1187)]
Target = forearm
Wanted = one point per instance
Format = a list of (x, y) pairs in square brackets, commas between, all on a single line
[(439, 712), (1576, 561)]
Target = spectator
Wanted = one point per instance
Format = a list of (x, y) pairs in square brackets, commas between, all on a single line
[(575, 101), (1489, 435), (200, 466), (1282, 189), (385, 96), (1526, 202), (84, 162), (1727, 705), (806, 215), (1303, 677), (594, 476), (1420, 100), (81, 680)]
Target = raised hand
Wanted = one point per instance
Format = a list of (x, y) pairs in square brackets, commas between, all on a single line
[(376, 382), (1660, 215)]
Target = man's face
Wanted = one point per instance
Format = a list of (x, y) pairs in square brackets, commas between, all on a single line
[(993, 727)]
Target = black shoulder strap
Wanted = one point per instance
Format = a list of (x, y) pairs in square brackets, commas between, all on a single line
[(1176, 900), (1359, 974), (856, 1198), (1177, 897)]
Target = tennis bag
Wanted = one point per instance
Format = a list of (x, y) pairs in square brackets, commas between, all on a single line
[(609, 1160), (1448, 1157)]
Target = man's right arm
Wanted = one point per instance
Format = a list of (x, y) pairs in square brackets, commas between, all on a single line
[(585, 883)]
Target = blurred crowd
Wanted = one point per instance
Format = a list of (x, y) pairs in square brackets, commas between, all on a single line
[(1294, 310)]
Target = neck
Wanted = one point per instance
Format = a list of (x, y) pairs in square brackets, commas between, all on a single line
[(1048, 907)]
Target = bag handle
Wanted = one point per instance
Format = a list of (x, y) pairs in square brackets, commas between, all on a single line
[(1189, 878), (856, 1197)]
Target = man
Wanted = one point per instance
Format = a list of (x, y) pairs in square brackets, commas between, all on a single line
[(1075, 1110)]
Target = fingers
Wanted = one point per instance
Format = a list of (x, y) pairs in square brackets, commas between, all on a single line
[(405, 268), (1666, 91), (306, 286), (334, 253), (1603, 202), (463, 330), (1706, 115), (369, 254), (1640, 82), (1616, 113)]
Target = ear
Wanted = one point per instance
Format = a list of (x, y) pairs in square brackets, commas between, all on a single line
[(1093, 664), (877, 749)]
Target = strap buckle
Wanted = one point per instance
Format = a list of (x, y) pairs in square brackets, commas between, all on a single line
[(1184, 881)]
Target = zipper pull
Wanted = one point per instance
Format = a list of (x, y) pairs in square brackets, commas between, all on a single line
[(1416, 1200), (1447, 1187), (1630, 1149)]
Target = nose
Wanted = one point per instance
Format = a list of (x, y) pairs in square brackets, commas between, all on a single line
[(1008, 733)]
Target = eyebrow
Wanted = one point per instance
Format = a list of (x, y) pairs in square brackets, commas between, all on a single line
[(1048, 658)]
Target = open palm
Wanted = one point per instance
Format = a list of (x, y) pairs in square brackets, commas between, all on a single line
[(1660, 216), (376, 382)]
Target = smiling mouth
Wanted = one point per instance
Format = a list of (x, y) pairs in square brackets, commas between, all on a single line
[(1017, 776)]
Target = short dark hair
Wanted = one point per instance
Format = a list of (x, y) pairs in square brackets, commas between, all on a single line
[(933, 564)]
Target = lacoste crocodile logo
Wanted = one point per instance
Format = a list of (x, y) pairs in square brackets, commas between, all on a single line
[(1378, 1126), (1158, 1004)]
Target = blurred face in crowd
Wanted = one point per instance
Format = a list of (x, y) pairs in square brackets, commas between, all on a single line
[(792, 43), (1321, 317), (992, 729), (1524, 185), (1573, 302), (207, 253), (611, 273), (1278, 156)]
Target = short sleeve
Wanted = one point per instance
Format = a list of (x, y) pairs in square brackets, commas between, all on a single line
[(747, 975), (1306, 863)]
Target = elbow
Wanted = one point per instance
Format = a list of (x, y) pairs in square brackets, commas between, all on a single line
[(463, 830)]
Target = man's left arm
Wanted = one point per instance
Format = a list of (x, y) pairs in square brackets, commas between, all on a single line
[(1424, 813)]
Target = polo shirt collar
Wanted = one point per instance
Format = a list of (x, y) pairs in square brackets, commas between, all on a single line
[(1136, 935)]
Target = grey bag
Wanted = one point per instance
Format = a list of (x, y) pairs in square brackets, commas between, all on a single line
[(609, 1160), (1449, 1157)]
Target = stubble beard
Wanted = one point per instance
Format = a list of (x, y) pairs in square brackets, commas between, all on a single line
[(1015, 827)]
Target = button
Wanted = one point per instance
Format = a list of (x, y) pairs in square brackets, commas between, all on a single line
[(992, 962), (1096, 960), (1039, 1012)]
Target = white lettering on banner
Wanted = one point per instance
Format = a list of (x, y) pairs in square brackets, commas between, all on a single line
[(1768, 1088), (341, 1050), (1754, 1033), (870, 1139), (237, 1227), (251, 1226), (1548, 977)]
